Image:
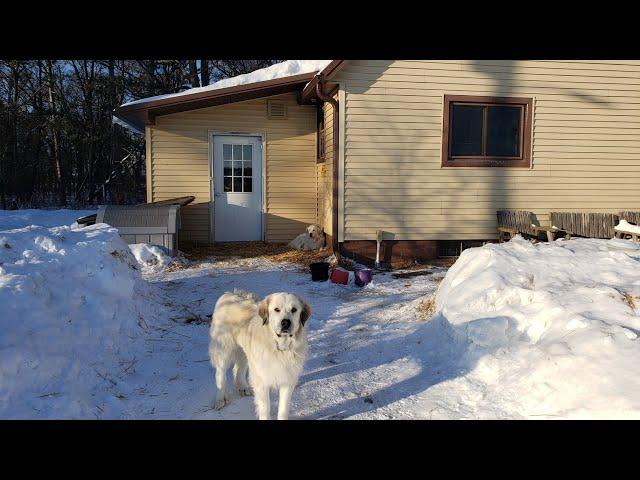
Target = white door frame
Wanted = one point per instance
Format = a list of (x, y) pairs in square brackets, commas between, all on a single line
[(263, 200)]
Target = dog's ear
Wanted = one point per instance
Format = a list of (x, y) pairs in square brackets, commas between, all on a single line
[(263, 309), (306, 312)]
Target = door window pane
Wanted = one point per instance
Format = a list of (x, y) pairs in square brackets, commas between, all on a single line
[(247, 151), (227, 184), (237, 169), (226, 151), (227, 169), (466, 130), (247, 169), (503, 131), (237, 152), (247, 184), (237, 184)]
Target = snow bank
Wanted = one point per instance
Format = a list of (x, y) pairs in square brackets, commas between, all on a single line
[(44, 218), (287, 68), (550, 329), (72, 308), (150, 256)]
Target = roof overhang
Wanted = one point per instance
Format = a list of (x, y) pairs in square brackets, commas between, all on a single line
[(141, 114), (137, 115)]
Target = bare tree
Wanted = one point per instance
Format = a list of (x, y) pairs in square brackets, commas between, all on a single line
[(62, 200)]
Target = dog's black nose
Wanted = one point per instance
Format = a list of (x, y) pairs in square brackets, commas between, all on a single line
[(285, 324)]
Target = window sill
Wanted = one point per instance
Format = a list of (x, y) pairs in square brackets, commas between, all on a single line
[(488, 163)]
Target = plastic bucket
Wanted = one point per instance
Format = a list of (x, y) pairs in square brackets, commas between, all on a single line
[(362, 277), (340, 276), (319, 271)]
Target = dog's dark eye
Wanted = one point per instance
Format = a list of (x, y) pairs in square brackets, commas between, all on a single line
[(276, 310), (294, 310)]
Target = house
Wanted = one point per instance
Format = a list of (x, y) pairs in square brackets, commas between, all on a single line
[(425, 151)]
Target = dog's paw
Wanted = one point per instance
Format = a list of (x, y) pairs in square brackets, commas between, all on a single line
[(220, 402), (245, 391)]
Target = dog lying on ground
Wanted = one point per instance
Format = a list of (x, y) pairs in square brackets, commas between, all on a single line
[(268, 339), (312, 240)]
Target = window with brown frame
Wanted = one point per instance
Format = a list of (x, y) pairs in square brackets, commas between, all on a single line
[(486, 131), (320, 134)]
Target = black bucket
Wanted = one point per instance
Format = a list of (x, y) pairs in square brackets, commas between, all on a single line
[(319, 271)]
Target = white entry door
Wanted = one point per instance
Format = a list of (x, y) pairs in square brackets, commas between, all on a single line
[(237, 187)]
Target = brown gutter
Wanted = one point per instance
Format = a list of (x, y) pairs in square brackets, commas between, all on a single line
[(326, 74), (336, 157)]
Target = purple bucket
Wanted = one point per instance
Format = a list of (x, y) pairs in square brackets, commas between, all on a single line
[(362, 277)]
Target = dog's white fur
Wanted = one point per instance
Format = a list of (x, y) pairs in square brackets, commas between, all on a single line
[(312, 240), (250, 336)]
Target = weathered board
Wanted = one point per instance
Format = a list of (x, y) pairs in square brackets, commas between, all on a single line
[(631, 217), (591, 225), (518, 220)]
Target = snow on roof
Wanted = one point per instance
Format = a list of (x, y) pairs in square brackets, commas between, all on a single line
[(118, 121), (284, 69)]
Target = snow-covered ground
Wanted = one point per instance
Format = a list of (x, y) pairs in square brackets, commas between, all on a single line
[(521, 331)]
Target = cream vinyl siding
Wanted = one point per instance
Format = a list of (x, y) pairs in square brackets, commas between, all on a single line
[(585, 145), (325, 174), (180, 163)]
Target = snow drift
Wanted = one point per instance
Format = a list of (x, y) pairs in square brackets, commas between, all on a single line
[(551, 329), (72, 309), (150, 257)]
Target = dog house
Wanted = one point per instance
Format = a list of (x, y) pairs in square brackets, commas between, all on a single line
[(152, 224)]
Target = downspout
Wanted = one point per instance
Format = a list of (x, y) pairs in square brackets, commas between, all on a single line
[(336, 156)]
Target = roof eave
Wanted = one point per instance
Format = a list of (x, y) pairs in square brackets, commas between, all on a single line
[(327, 74), (144, 113)]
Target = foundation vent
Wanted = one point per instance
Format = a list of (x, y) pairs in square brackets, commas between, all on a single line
[(276, 109)]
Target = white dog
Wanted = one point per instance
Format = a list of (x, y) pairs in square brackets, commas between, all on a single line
[(312, 240), (268, 339)]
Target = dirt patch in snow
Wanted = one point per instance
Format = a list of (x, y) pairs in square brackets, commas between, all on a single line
[(426, 308), (274, 252)]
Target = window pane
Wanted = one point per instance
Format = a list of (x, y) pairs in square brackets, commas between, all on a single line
[(237, 169), (466, 130), (227, 169), (247, 168), (226, 151), (227, 184), (247, 152), (503, 131), (237, 152), (237, 184), (247, 184)]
